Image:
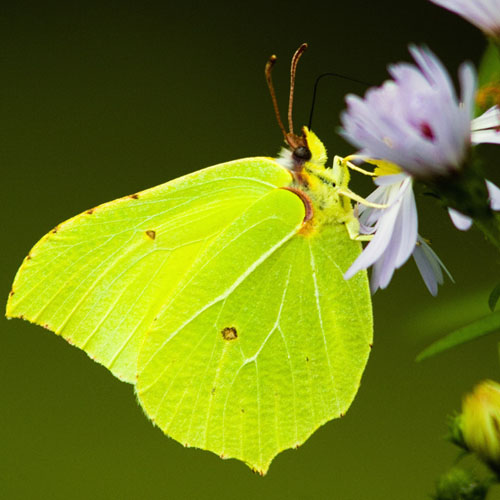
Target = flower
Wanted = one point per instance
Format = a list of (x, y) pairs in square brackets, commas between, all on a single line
[(480, 422), (396, 238), (484, 14), (416, 124), (415, 120)]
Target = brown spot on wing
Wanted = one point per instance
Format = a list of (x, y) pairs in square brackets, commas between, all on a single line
[(229, 333), (151, 233), (134, 196)]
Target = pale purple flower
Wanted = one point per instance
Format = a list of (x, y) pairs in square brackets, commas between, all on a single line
[(484, 14), (415, 120), (396, 238)]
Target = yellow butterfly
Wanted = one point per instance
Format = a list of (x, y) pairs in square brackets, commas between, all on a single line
[(220, 295)]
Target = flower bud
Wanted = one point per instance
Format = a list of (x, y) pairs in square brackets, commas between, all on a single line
[(481, 422), (460, 484)]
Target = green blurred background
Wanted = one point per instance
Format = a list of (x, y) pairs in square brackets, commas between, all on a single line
[(103, 99)]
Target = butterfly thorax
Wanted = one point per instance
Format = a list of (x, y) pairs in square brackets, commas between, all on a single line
[(320, 184)]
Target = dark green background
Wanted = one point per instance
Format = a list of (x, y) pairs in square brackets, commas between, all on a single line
[(99, 100)]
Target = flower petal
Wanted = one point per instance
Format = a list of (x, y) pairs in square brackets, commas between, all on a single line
[(460, 221), (486, 128), (377, 245), (485, 14), (408, 225), (486, 136), (494, 193), (489, 119), (429, 266)]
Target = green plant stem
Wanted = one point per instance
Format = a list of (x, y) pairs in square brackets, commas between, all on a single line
[(489, 225)]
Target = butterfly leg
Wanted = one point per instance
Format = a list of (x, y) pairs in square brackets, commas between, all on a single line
[(348, 163), (352, 226), (353, 196)]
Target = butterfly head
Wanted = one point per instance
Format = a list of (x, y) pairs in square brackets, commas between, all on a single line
[(303, 151), (323, 186)]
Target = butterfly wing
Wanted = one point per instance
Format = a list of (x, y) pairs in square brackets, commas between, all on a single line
[(263, 340), (100, 278)]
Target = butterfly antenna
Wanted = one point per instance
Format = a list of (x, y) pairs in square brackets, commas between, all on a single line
[(293, 70), (316, 83), (269, 80)]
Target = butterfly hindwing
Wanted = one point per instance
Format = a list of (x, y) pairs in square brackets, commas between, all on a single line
[(263, 341)]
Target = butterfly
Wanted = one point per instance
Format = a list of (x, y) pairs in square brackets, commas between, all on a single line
[(220, 296)]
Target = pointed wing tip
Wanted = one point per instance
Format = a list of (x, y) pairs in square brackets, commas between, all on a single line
[(10, 312), (260, 472), (120, 375), (260, 469)]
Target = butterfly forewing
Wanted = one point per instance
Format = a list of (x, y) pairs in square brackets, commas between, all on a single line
[(100, 278)]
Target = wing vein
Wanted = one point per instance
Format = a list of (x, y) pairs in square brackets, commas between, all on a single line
[(222, 296), (320, 317)]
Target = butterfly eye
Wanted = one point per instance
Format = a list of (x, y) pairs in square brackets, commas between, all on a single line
[(302, 153)]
